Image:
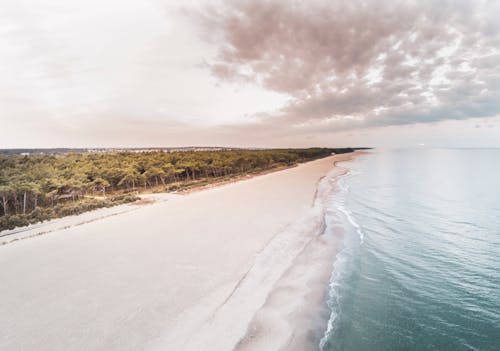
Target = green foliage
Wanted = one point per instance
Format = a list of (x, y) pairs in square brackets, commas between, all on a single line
[(39, 187)]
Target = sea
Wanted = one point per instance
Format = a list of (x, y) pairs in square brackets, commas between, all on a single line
[(419, 267)]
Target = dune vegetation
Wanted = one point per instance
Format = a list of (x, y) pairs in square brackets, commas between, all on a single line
[(38, 187)]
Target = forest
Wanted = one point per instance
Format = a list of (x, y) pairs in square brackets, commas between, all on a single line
[(39, 187)]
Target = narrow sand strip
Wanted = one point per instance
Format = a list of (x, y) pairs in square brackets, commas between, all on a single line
[(189, 273)]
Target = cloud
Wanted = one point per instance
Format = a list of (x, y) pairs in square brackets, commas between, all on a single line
[(265, 73), (348, 64)]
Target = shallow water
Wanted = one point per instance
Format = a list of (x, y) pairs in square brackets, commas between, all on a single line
[(420, 267)]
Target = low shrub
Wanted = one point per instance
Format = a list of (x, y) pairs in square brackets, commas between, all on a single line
[(61, 210), (10, 222)]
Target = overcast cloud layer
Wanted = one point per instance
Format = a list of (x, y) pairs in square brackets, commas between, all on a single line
[(359, 63), (249, 73)]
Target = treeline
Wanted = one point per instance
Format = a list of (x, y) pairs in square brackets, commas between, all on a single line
[(39, 187)]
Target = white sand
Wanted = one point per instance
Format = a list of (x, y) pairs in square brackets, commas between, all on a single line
[(224, 268)]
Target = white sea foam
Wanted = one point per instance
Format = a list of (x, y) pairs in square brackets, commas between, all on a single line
[(338, 213)]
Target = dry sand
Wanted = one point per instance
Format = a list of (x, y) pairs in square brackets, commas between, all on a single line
[(240, 266)]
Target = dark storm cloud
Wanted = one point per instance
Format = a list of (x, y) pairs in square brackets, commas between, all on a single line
[(362, 63)]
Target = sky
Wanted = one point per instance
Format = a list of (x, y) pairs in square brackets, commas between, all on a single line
[(262, 73)]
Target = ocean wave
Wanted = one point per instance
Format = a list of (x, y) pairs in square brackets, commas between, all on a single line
[(424, 274), (353, 238)]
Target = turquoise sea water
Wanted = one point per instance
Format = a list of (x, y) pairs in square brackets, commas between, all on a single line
[(420, 266)]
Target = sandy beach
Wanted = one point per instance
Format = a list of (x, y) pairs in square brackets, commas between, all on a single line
[(241, 266)]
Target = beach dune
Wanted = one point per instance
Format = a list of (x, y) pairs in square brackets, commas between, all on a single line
[(188, 272)]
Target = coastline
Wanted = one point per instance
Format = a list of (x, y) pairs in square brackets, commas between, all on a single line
[(146, 198), (85, 181), (134, 284)]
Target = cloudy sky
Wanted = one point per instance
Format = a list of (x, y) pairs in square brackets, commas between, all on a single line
[(84, 73)]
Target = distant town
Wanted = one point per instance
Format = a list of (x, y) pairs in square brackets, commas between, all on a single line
[(55, 151)]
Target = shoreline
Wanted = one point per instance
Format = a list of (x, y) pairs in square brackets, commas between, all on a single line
[(303, 288), (153, 278)]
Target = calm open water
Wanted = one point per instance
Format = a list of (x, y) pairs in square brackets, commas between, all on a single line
[(420, 267)]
